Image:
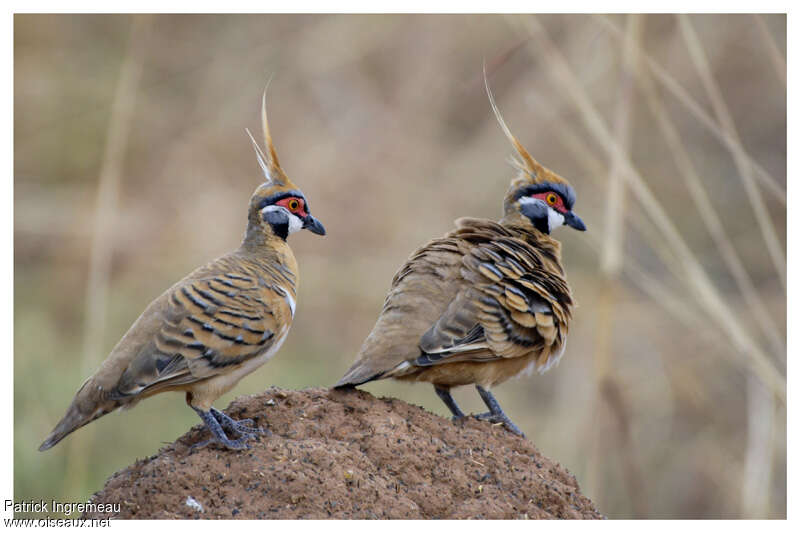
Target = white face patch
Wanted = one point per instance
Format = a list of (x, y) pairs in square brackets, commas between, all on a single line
[(554, 219), (295, 223)]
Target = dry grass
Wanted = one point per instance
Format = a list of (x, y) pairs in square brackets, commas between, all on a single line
[(669, 401)]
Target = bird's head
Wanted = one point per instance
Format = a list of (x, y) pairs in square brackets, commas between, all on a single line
[(278, 207), (537, 194), (544, 198)]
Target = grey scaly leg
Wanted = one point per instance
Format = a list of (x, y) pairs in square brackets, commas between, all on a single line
[(496, 414), (218, 434), (448, 400), (242, 427)]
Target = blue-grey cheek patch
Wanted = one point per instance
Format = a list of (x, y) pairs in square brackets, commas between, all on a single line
[(275, 216), (278, 219), (532, 208), (536, 210)]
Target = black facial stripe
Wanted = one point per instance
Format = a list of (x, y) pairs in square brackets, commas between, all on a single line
[(279, 222), (277, 197), (536, 211), (542, 224), (566, 192)]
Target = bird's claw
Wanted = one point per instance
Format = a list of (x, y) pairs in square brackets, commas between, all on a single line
[(218, 422), (245, 426), (496, 418)]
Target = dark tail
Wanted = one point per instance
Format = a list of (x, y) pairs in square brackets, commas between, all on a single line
[(357, 375)]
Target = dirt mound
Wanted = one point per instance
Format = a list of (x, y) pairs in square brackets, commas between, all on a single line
[(347, 454)]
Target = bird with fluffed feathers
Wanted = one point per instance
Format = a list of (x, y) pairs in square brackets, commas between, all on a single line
[(487, 302)]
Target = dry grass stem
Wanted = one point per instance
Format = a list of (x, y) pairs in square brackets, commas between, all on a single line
[(724, 117), (775, 55), (611, 262), (102, 241), (734, 145), (711, 220), (638, 224), (703, 288), (757, 476)]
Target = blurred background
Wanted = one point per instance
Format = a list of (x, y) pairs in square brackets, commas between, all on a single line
[(132, 167)]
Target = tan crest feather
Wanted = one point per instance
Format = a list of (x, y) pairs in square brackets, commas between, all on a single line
[(267, 160), (273, 156), (531, 166), (260, 155)]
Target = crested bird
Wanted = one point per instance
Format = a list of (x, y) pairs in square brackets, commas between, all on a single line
[(487, 302), (216, 325)]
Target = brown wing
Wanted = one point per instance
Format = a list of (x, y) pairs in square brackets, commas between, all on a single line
[(514, 301), (420, 292), (208, 325), (483, 292)]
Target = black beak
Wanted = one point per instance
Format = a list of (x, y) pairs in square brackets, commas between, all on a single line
[(574, 221), (313, 225)]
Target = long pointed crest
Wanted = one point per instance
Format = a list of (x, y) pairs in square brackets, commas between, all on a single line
[(530, 171), (267, 160), (528, 164)]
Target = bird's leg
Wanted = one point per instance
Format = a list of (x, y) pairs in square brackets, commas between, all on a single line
[(242, 427), (218, 434), (448, 400), (496, 414)]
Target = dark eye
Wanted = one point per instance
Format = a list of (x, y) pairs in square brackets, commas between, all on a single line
[(551, 199), (293, 204)]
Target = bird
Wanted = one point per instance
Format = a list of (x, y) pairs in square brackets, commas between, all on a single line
[(216, 325), (486, 302)]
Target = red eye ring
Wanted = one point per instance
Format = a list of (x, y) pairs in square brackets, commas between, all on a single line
[(552, 200), (294, 205)]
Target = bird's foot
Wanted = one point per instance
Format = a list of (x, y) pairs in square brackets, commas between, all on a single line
[(245, 426), (496, 414), (215, 421), (501, 418)]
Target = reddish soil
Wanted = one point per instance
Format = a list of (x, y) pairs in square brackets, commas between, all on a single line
[(347, 454)]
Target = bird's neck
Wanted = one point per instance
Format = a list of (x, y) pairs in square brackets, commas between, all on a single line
[(525, 230), (258, 237), (267, 250), (513, 217)]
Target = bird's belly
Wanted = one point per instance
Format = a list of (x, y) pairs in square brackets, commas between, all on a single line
[(486, 374), (205, 392)]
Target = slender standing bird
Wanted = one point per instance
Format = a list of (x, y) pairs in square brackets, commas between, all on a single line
[(483, 304), (213, 327)]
